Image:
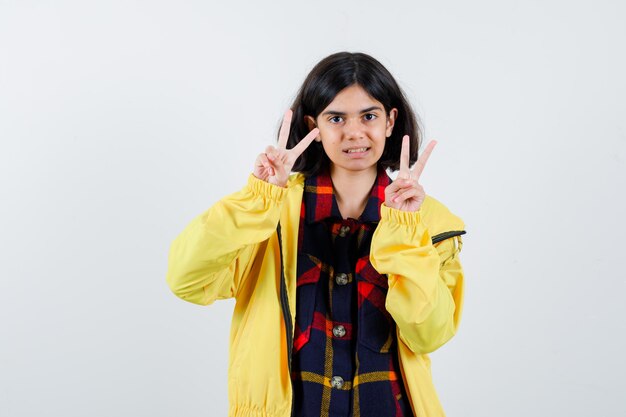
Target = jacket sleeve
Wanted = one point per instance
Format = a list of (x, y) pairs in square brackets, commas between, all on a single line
[(210, 259), (425, 292)]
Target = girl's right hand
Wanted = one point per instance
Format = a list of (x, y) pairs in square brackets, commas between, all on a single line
[(274, 165)]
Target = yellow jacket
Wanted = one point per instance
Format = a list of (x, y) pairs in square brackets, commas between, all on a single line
[(233, 250)]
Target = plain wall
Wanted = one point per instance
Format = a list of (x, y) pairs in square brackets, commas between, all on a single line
[(120, 121)]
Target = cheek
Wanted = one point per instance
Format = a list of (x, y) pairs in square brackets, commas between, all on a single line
[(329, 148), (330, 138)]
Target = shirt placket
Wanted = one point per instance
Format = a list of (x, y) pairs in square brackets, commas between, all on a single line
[(342, 315)]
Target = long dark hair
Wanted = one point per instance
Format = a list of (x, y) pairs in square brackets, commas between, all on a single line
[(331, 75)]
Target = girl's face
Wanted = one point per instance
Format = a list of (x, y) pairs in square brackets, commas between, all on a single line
[(353, 130)]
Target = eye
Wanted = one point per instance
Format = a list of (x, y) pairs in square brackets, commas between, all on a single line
[(370, 116), (336, 119)]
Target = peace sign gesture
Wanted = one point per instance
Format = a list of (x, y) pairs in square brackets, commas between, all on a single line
[(405, 193), (274, 165)]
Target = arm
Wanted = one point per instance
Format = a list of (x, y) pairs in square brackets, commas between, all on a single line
[(425, 281), (210, 259)]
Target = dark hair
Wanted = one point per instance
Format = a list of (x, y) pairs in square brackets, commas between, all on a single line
[(331, 75)]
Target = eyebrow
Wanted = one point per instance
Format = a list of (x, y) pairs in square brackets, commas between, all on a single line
[(339, 113)]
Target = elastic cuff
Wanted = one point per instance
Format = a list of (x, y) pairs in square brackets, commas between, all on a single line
[(410, 218), (266, 189)]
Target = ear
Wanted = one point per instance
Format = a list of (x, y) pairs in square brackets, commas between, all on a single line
[(310, 122), (391, 120)]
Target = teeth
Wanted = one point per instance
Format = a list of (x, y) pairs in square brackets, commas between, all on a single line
[(357, 150)]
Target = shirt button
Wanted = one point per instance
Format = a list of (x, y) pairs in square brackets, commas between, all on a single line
[(337, 382), (339, 331), (341, 279), (343, 231)]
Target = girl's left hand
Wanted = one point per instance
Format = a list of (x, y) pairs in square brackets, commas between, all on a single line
[(405, 193)]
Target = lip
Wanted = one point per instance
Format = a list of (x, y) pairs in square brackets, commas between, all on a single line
[(357, 154)]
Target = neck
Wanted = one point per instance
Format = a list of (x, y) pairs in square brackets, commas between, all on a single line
[(352, 189)]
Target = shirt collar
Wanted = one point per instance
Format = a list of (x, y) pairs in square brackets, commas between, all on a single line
[(320, 201)]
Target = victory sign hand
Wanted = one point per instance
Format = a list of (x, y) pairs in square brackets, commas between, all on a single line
[(405, 193), (274, 165)]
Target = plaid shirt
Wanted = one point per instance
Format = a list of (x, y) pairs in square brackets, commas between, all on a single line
[(344, 354)]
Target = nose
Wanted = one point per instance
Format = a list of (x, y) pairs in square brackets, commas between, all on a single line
[(353, 129)]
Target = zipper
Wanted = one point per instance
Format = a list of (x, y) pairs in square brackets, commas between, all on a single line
[(284, 303), (447, 235)]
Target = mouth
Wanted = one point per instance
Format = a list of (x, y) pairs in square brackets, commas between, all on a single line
[(356, 150)]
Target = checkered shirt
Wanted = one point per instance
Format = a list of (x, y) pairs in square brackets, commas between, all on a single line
[(345, 361)]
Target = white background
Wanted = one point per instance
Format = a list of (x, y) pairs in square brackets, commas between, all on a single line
[(120, 121)]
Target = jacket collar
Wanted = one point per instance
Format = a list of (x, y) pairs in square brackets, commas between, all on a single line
[(321, 203)]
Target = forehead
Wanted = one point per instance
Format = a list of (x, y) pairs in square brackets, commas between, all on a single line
[(352, 99)]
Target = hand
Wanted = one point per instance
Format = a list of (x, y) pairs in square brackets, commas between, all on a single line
[(274, 165), (405, 193)]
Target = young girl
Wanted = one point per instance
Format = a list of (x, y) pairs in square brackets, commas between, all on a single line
[(344, 280)]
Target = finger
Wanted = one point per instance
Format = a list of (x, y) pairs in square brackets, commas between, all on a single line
[(398, 184), (278, 155), (271, 152), (279, 171), (403, 196), (275, 158), (265, 162), (404, 158), (304, 143), (270, 168), (276, 165), (261, 160), (262, 167), (283, 134), (421, 162)]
